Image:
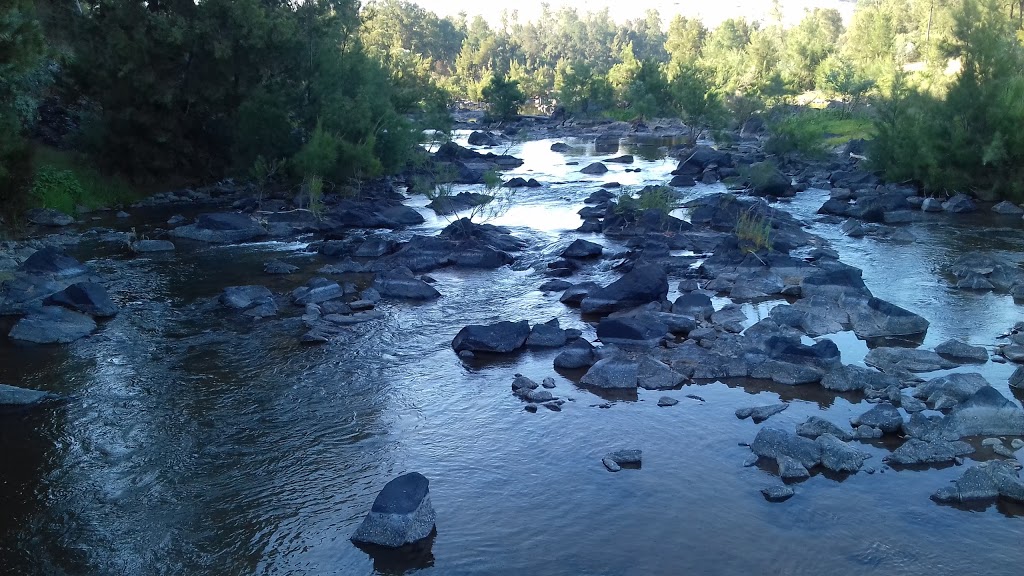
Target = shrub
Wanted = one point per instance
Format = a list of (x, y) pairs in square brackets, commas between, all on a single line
[(754, 230), (57, 188)]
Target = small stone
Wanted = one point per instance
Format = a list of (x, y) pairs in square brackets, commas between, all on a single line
[(1017, 443), (761, 413), (548, 382), (991, 442), (610, 464), (466, 355), (665, 401), (790, 469), (778, 493), (750, 461), (553, 406), (532, 408), (1004, 451)]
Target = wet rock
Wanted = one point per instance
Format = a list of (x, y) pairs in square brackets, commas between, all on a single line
[(961, 351), (773, 442), (850, 378), (631, 331), (665, 401), (375, 247), (984, 482), (682, 181), (1008, 208), (14, 397), (866, 433), (582, 249), (52, 325), (676, 323), (255, 299), (876, 318), (816, 426), (959, 204), (916, 452), (1017, 378), (883, 416), (150, 246), (892, 360), (548, 382), (401, 514), (945, 392), (624, 459), (316, 291), (574, 295), (548, 335), (790, 469), (761, 413), (655, 375), (221, 228), (625, 159), (279, 267), (644, 283), (49, 217), (560, 147), (51, 261), (985, 271), (502, 337), (695, 304), (779, 493), (613, 373), (931, 205), (477, 138), (912, 405), (595, 168), (555, 286), (838, 456), (578, 354), (986, 413), (611, 465), (400, 283), (85, 297)]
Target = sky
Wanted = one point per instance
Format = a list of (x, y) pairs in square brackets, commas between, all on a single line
[(712, 12)]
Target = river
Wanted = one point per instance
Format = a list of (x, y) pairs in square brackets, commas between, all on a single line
[(193, 442)]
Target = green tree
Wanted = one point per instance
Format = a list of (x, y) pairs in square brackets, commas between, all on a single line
[(685, 41), (503, 97)]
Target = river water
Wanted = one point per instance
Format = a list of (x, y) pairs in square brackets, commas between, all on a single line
[(196, 443)]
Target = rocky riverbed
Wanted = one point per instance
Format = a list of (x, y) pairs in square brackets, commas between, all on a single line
[(230, 383)]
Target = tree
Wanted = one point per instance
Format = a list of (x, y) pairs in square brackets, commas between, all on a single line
[(582, 92), (503, 97), (695, 100), (685, 41)]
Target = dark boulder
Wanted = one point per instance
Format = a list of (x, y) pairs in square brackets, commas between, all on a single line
[(53, 325), (644, 283), (86, 297), (52, 262), (582, 249), (477, 138), (595, 169), (502, 337), (402, 284), (221, 228), (401, 514)]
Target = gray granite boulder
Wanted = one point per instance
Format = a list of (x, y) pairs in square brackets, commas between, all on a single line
[(850, 378), (984, 482), (986, 413), (401, 514), (51, 261), (773, 442), (579, 353), (816, 426), (906, 359), (883, 416), (52, 325), (947, 391), (402, 284), (916, 452), (961, 351), (760, 413), (838, 456), (615, 373)]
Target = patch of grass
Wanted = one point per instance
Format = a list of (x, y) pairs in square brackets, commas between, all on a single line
[(63, 181), (660, 198), (814, 132), (754, 231)]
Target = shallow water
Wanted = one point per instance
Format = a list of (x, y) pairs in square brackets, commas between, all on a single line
[(197, 443)]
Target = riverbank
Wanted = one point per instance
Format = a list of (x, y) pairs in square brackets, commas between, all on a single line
[(249, 422)]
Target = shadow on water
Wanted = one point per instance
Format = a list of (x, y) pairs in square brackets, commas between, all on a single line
[(404, 560)]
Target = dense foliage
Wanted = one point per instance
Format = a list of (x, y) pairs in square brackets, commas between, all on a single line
[(327, 91)]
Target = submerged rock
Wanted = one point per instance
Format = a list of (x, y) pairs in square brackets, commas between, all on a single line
[(957, 350), (838, 456), (401, 514), (48, 217), (14, 397), (760, 413), (402, 284), (779, 493), (908, 359), (52, 325), (773, 442), (816, 426), (850, 378), (150, 246), (915, 452), (620, 459), (51, 261)]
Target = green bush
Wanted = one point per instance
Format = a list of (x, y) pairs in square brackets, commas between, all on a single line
[(57, 188), (503, 97)]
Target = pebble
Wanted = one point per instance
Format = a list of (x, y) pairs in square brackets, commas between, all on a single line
[(991, 442), (666, 401), (1017, 443), (778, 493), (1004, 451), (750, 461), (530, 408), (548, 382), (467, 355), (611, 465)]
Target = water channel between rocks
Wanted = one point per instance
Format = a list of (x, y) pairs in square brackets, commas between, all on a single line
[(197, 443)]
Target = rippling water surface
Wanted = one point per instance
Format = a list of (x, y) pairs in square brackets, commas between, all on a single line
[(196, 443)]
